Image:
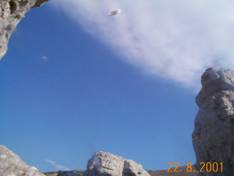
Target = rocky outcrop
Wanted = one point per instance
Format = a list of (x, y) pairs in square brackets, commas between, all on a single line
[(107, 164), (11, 13), (152, 173), (213, 137), (12, 165)]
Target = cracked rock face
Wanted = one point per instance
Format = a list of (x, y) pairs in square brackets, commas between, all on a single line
[(213, 136), (12, 165), (11, 13), (107, 164)]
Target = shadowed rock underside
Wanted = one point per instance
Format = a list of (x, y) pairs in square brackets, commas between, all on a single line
[(11, 13)]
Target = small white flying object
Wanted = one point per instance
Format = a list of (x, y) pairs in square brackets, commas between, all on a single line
[(115, 12)]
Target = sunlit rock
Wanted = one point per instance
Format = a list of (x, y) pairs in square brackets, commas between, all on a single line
[(11, 13), (107, 164), (12, 165)]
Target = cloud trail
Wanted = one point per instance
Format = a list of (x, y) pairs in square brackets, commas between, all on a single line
[(176, 40)]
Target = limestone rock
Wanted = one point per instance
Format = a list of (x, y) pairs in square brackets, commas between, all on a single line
[(12, 165), (107, 164), (39, 3), (213, 138), (11, 13)]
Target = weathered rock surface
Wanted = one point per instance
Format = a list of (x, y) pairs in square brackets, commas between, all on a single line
[(12, 165), (107, 164), (11, 13), (213, 136)]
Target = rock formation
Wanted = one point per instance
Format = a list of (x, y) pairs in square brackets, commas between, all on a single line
[(12, 165), (213, 137), (11, 13), (107, 164)]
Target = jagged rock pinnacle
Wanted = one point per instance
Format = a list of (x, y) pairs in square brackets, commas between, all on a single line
[(11, 13), (213, 137)]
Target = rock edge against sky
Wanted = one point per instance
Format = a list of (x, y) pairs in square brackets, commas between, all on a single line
[(11, 13), (212, 137)]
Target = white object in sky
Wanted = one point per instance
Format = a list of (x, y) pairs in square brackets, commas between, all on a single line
[(115, 12)]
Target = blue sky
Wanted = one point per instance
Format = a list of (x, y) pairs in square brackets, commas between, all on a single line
[(84, 97)]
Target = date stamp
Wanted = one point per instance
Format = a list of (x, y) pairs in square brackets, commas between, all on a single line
[(203, 167)]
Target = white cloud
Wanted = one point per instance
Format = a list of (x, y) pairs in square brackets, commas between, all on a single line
[(176, 40), (56, 166)]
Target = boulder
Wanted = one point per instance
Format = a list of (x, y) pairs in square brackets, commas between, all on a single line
[(213, 138), (107, 164), (12, 165), (11, 13)]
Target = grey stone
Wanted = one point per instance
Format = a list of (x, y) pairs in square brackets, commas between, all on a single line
[(12, 165), (213, 138), (107, 164), (11, 13)]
